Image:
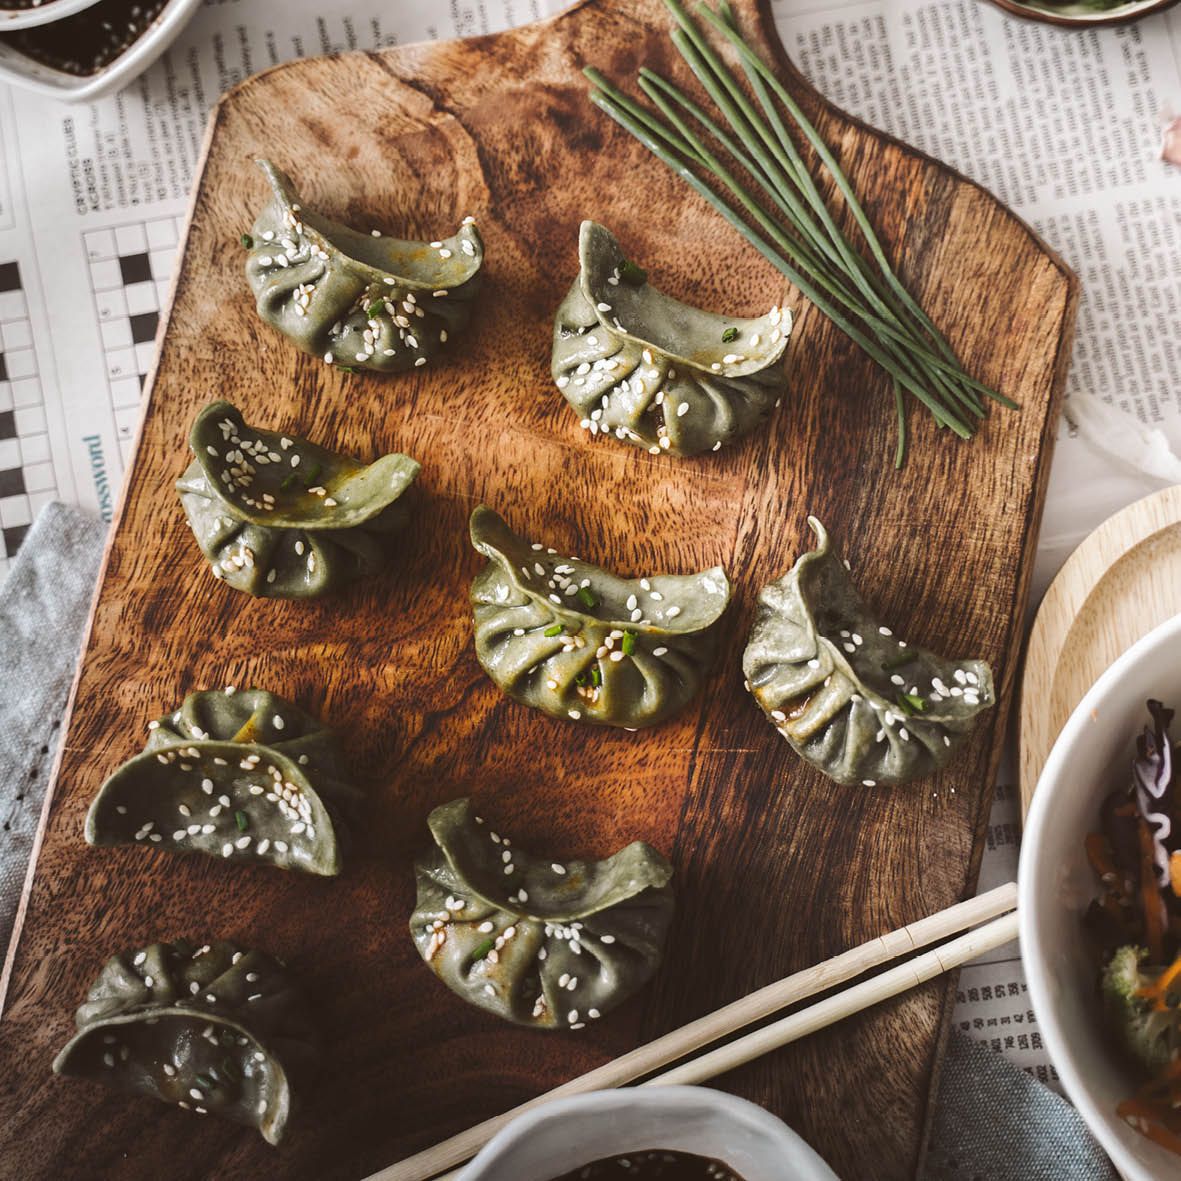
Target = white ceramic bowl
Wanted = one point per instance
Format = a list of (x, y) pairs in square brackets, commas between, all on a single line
[(569, 1133), (1092, 757), (23, 71), (45, 13)]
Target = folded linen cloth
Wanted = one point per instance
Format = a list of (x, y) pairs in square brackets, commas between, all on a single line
[(992, 1121), (995, 1123), (43, 606)]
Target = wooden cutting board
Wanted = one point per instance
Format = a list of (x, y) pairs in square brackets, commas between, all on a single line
[(776, 867)]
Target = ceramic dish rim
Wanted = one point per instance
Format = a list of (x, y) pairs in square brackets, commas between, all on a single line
[(166, 27), (1037, 971), (681, 1098)]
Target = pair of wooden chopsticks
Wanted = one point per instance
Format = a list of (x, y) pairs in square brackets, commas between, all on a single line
[(954, 921)]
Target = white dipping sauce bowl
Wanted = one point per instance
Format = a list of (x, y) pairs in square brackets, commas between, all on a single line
[(42, 79), (1092, 757), (568, 1133)]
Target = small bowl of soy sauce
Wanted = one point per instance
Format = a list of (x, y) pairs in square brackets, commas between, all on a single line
[(648, 1134), (78, 50)]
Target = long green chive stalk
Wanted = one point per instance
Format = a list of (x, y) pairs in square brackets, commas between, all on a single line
[(792, 227)]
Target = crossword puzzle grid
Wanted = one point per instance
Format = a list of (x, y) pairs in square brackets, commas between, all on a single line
[(129, 269), (26, 469)]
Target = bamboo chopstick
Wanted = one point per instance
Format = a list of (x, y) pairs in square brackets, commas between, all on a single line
[(843, 1004), (758, 1005)]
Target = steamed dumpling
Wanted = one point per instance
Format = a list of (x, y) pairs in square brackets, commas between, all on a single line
[(354, 299), (577, 642), (654, 372), (242, 775), (854, 701), (553, 945), (282, 518), (216, 1029)]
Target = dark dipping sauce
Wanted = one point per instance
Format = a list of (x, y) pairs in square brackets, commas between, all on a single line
[(653, 1164), (84, 43)]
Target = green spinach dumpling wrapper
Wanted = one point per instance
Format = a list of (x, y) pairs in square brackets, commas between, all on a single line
[(357, 299), (854, 701), (282, 518), (543, 943), (239, 774), (577, 642), (654, 372), (216, 1029)]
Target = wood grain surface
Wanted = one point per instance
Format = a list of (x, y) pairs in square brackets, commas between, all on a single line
[(777, 868), (1122, 581)]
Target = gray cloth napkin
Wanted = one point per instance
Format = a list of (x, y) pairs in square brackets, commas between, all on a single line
[(43, 606), (995, 1123), (992, 1121)]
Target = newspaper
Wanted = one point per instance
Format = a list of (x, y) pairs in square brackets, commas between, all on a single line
[(1064, 126)]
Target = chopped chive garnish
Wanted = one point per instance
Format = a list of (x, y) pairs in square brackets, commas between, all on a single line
[(483, 949), (248, 241), (596, 676), (242, 821), (312, 471), (845, 274), (347, 368), (587, 597), (729, 335), (228, 1068), (204, 1082), (899, 661), (287, 483), (556, 630), (374, 308), (629, 643), (631, 274), (912, 703)]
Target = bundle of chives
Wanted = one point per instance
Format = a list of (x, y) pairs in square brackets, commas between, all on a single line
[(864, 298)]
